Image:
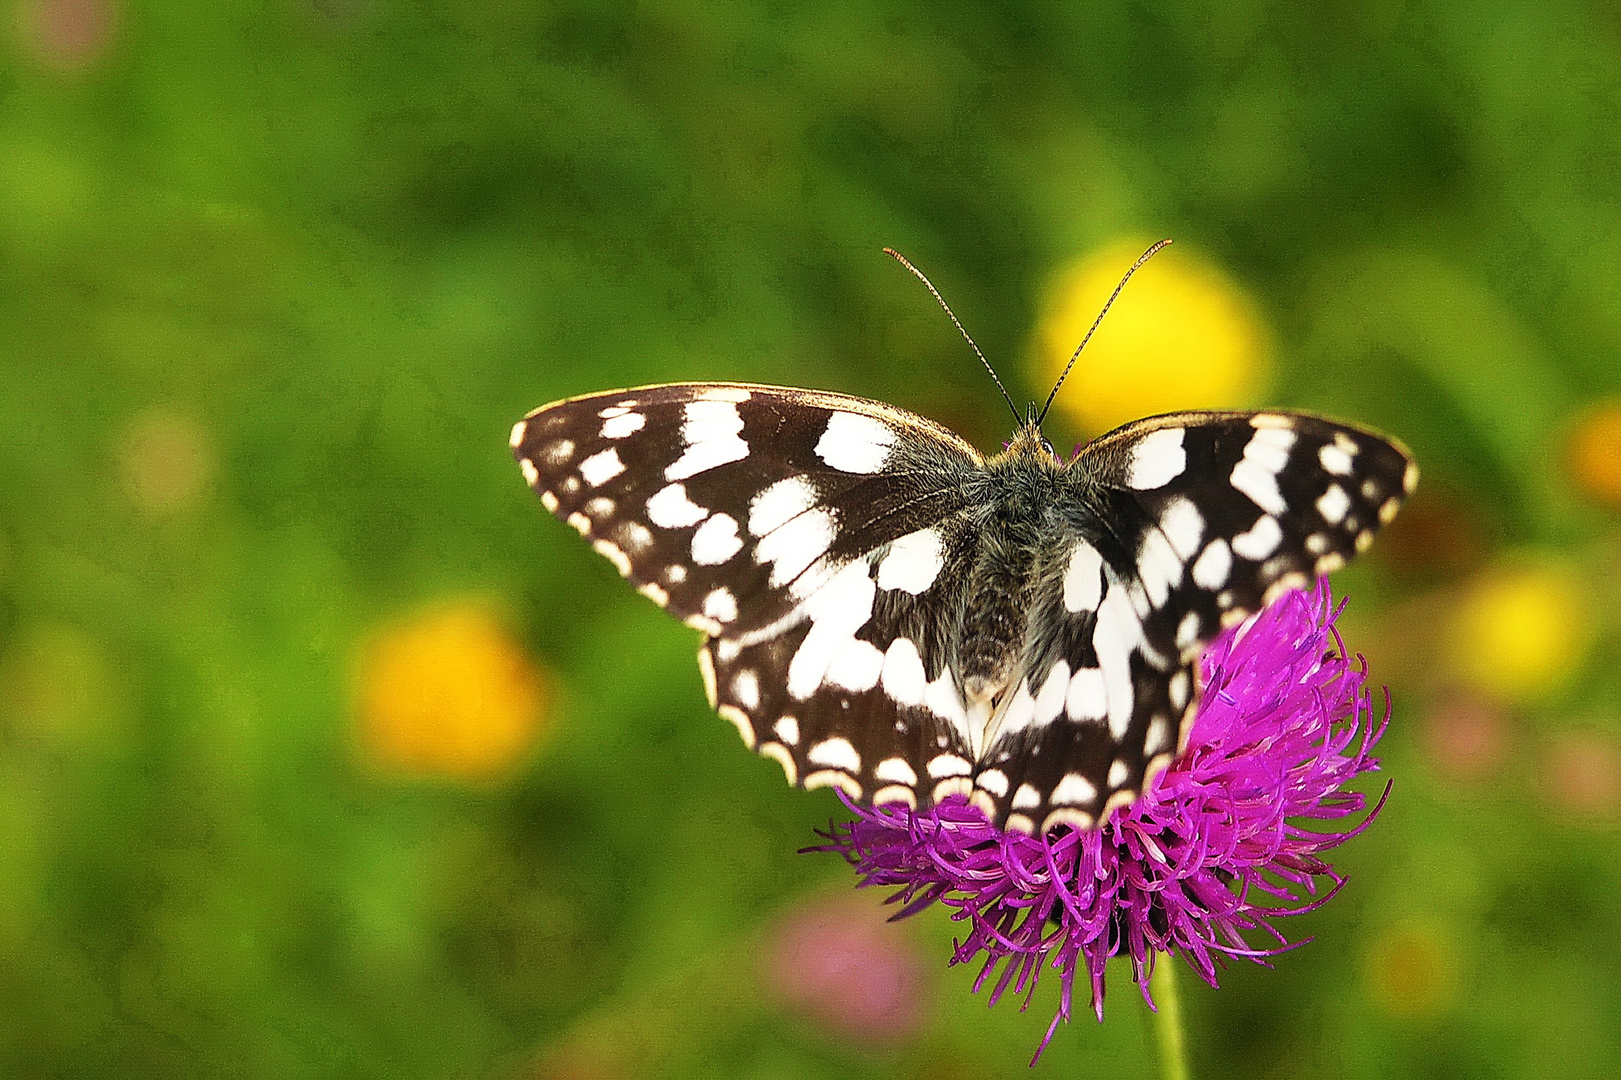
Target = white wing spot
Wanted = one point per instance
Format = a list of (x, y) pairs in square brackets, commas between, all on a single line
[(599, 507), (1050, 702), (549, 501), (896, 771), (736, 394), (1269, 448), (1271, 420), (912, 563), (706, 668), (601, 467), (1335, 459), (1387, 512), (610, 551), (1317, 543), (581, 523), (675, 573), (1187, 632), (778, 753), (669, 508), (1260, 484), (1211, 568), (1019, 712), (835, 753), (1181, 686), (856, 666), (854, 443), (1075, 790), (1114, 638), (1086, 698), (1333, 504), (1083, 581), (531, 474), (834, 778), (1157, 459), (1409, 478), (1183, 526), (612, 411), (903, 677), (787, 729), (716, 541), (792, 547), (634, 537), (943, 765), (558, 452), (1158, 567), (1119, 772), (515, 440), (740, 720), (710, 432), (618, 427), (1261, 540), (992, 780), (942, 698), (837, 611), (655, 592), (1026, 798), (721, 606), (1329, 563), (780, 503)]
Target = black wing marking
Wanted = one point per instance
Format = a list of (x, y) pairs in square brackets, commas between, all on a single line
[(801, 531), (1188, 523)]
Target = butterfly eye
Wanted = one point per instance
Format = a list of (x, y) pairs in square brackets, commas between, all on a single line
[(1048, 446)]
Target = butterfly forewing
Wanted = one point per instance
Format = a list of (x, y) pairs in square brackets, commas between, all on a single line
[(889, 614)]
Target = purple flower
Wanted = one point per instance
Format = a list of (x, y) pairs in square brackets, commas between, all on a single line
[(1205, 859)]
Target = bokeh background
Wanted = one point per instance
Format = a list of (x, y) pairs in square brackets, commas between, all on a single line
[(325, 752)]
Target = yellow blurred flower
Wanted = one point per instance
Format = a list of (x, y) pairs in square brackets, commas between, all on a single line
[(450, 693), (1409, 971), (1595, 452), (1181, 336), (1521, 631)]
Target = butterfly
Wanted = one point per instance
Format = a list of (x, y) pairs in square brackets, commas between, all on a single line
[(889, 612)]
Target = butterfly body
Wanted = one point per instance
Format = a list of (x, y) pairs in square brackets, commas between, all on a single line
[(888, 612)]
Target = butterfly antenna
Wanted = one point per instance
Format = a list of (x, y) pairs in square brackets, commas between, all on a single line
[(902, 259), (1149, 254)]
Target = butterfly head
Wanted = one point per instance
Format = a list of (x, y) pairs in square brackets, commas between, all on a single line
[(1029, 443)]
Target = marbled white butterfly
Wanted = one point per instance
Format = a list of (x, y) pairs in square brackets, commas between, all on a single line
[(886, 611)]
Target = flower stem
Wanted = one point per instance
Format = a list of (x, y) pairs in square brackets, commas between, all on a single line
[(1173, 1049)]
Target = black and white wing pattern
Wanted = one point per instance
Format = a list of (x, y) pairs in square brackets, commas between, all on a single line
[(793, 528), (1174, 528), (888, 613)]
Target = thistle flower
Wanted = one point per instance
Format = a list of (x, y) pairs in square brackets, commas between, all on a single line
[(1208, 857)]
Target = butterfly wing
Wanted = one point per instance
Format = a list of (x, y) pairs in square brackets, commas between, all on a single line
[(1181, 525), (806, 533)]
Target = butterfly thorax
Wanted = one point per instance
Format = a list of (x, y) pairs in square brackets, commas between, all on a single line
[(1017, 493)]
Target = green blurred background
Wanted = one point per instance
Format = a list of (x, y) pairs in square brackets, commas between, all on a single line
[(325, 752)]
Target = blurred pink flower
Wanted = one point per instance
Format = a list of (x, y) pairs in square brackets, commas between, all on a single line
[(841, 964), (68, 35)]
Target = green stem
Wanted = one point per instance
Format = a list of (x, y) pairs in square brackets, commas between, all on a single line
[(1173, 1048)]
